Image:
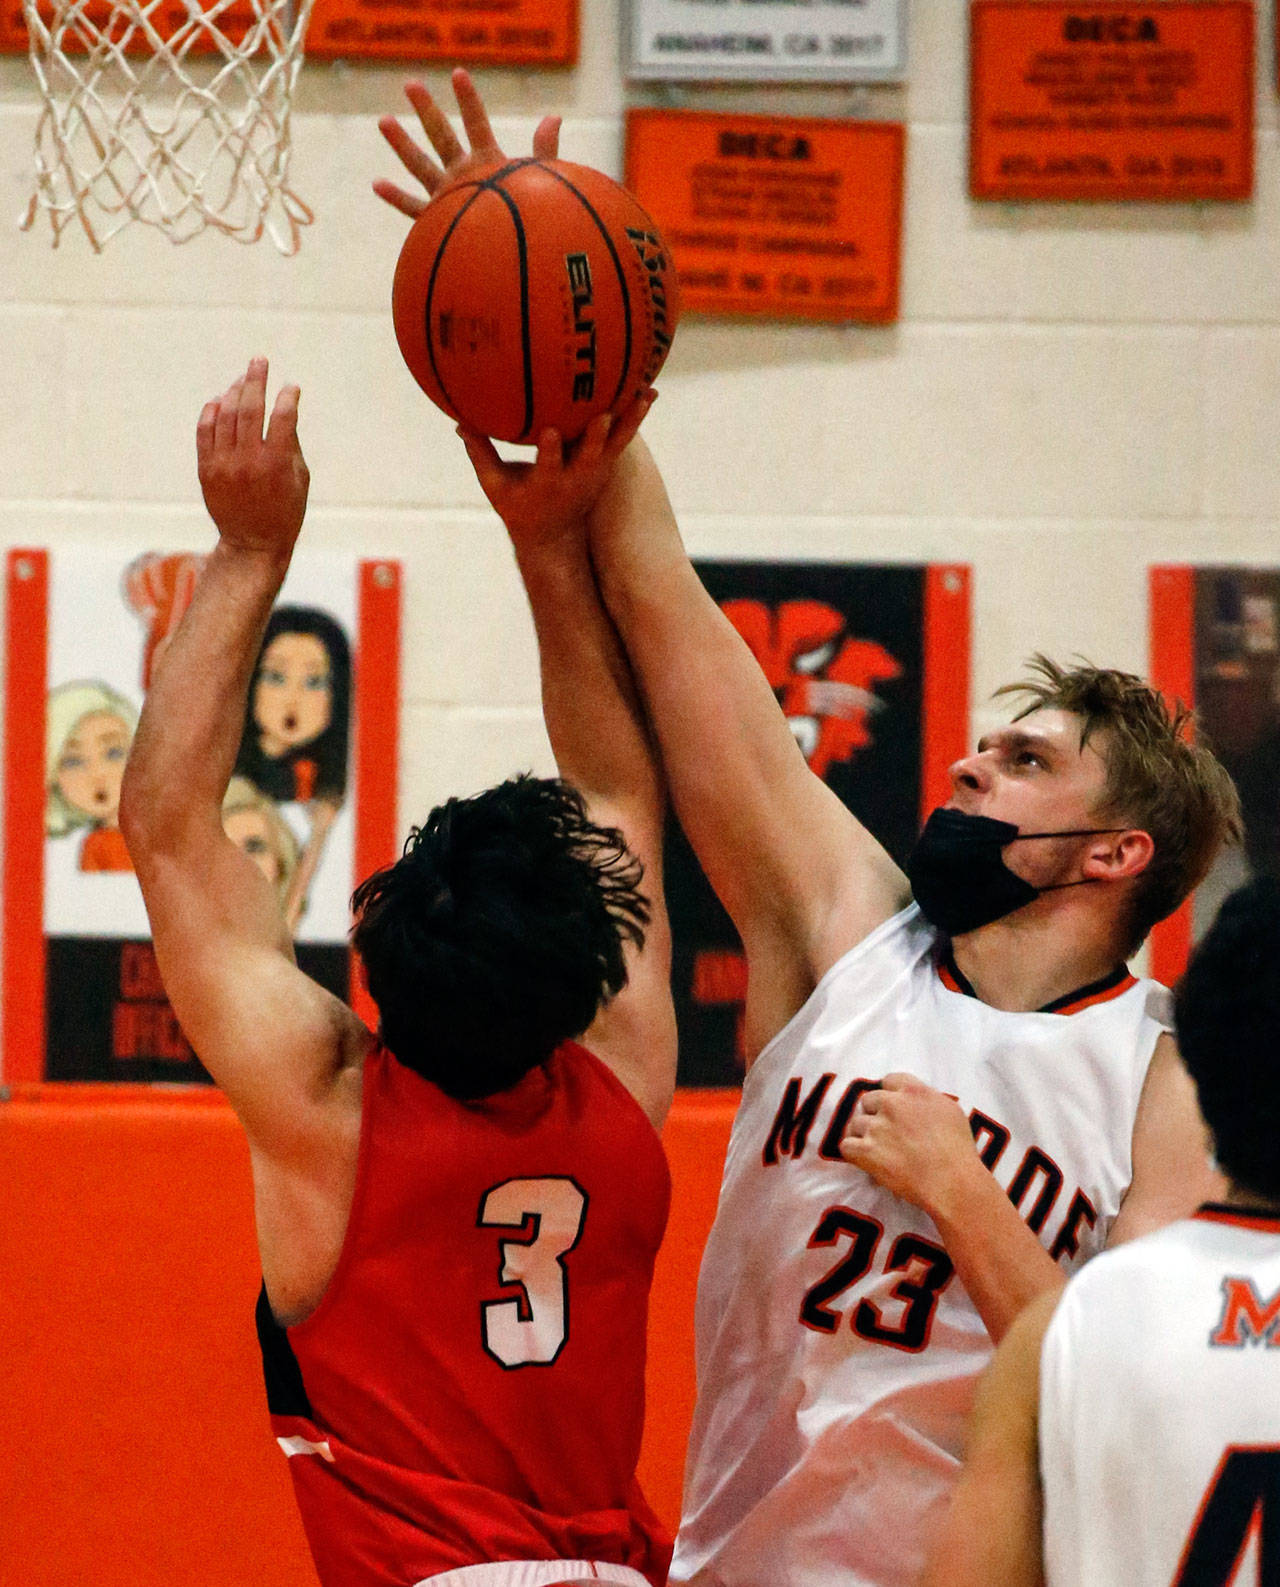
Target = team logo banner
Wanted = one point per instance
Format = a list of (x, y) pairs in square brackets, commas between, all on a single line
[(87, 628), (870, 666), (1215, 645)]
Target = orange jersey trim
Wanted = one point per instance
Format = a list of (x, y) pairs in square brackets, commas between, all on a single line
[(1079, 1001), (1263, 1219)]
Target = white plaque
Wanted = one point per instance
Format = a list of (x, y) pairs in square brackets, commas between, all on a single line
[(832, 41)]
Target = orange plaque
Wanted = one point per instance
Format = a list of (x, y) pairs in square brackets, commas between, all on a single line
[(767, 216), (1111, 101), (471, 32), (168, 19), (13, 31)]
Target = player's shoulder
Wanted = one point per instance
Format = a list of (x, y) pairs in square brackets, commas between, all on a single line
[(902, 942), (593, 1088), (875, 968), (1156, 1002)]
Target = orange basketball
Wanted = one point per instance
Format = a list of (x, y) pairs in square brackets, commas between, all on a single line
[(534, 295)]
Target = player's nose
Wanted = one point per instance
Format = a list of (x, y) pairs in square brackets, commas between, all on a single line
[(970, 774)]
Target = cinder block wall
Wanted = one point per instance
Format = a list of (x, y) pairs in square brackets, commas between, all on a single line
[(1072, 392)]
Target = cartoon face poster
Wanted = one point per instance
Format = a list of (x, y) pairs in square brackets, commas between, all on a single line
[(91, 624), (870, 666)]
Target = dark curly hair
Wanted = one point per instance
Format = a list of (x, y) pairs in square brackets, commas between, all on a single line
[(1227, 1017), (498, 934)]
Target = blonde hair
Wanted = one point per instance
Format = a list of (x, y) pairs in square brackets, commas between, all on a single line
[(1158, 778), (67, 706), (242, 795)]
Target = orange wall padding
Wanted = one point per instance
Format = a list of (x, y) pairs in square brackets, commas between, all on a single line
[(134, 1444)]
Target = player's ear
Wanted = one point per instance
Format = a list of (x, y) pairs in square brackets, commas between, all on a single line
[(1117, 855)]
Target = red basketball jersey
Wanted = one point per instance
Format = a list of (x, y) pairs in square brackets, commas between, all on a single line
[(471, 1386)]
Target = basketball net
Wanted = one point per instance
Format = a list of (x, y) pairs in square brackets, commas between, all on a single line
[(172, 113)]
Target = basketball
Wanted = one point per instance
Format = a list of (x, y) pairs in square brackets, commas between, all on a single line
[(533, 296)]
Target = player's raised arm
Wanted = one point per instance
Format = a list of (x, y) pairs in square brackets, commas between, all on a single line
[(802, 879), (593, 717), (271, 1038)]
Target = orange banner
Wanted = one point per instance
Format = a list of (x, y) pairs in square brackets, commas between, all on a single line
[(1113, 102), (767, 216), (472, 32)]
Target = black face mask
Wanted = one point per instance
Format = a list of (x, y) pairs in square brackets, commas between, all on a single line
[(958, 875)]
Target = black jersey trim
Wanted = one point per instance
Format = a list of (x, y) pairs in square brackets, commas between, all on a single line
[(1107, 983), (1267, 1218)]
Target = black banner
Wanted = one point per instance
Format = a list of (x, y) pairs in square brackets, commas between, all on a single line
[(842, 646), (109, 1019)]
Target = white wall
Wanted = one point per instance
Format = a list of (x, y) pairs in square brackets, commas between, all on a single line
[(1072, 391)]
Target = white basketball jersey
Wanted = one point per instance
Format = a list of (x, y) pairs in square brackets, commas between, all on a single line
[(1160, 1411), (837, 1353)]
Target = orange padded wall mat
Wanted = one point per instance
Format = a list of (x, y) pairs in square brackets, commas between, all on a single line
[(134, 1444)]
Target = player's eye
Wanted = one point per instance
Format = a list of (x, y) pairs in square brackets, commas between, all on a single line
[(317, 680), (1028, 757), (274, 677), (71, 762)]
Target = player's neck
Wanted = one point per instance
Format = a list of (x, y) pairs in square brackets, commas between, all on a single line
[(1034, 958)]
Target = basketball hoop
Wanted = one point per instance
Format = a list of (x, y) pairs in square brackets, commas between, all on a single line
[(172, 113)]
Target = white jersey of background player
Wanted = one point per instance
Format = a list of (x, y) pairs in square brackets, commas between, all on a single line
[(1131, 1436), (827, 1432)]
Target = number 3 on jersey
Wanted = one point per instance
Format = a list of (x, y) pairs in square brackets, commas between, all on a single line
[(531, 1328)]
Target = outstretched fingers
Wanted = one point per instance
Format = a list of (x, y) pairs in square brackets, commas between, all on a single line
[(205, 427), (627, 425), (546, 139), (550, 458), (489, 467), (475, 118), (412, 156), (590, 446), (224, 430), (282, 428), (407, 203), (437, 126), (252, 406)]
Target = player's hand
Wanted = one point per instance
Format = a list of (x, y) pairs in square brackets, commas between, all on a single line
[(454, 160), (914, 1141), (255, 487), (551, 497)]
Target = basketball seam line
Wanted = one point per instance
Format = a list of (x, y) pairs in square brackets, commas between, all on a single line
[(617, 265), (431, 287), (526, 340), (481, 182)]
